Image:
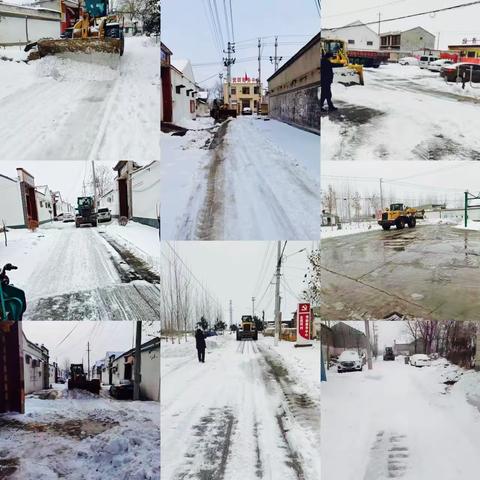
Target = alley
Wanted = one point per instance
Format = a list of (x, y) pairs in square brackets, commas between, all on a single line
[(260, 179), (83, 107), (73, 273), (78, 435), (427, 272), (405, 422), (402, 113), (242, 414)]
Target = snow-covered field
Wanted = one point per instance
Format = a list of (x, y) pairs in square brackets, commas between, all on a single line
[(250, 411), (399, 421), (81, 436), (401, 113), (82, 107), (69, 273), (260, 182)]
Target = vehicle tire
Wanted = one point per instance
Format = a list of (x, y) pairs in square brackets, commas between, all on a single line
[(413, 222), (386, 227), (400, 224), (361, 368), (76, 225)]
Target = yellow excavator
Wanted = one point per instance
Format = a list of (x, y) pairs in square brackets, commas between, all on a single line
[(96, 31), (345, 72)]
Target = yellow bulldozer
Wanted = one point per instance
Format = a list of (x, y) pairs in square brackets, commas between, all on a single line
[(345, 72), (399, 216), (97, 31)]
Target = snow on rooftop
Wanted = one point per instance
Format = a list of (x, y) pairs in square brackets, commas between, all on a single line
[(180, 64)]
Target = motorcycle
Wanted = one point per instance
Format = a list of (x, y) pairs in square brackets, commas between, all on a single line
[(11, 308)]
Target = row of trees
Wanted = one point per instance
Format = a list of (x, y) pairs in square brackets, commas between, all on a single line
[(148, 11)]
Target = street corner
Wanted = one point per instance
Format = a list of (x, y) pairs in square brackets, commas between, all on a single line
[(68, 408), (85, 245)]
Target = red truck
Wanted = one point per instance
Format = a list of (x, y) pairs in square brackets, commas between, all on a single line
[(368, 58)]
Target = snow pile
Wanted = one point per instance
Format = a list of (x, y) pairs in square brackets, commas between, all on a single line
[(197, 124), (349, 229), (471, 225)]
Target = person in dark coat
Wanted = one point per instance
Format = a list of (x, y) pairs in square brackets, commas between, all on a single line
[(200, 344), (326, 72)]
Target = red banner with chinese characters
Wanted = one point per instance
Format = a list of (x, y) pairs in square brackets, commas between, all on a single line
[(303, 322)]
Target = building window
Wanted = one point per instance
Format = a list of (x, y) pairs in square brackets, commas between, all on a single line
[(369, 43), (351, 42), (27, 359), (255, 104), (255, 90), (233, 91), (192, 106), (246, 90)]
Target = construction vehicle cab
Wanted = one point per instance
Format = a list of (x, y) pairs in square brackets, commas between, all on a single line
[(86, 214), (345, 72), (78, 379), (399, 216), (388, 354), (247, 328)]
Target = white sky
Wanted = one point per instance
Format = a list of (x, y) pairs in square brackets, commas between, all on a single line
[(453, 26), (233, 270), (103, 336), (65, 176), (409, 178), (186, 31)]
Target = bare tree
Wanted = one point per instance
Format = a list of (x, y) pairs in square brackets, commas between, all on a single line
[(312, 290), (356, 205), (104, 177), (329, 200)]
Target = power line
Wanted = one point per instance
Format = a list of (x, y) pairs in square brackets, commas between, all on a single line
[(218, 22), (231, 21), (317, 6), (68, 334), (363, 9), (227, 29)]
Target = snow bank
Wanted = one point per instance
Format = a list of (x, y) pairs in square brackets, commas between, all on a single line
[(349, 229), (471, 225)]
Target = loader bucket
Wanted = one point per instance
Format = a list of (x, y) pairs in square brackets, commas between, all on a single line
[(69, 46)]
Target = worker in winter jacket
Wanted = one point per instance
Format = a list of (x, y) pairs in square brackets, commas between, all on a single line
[(200, 344), (326, 72)]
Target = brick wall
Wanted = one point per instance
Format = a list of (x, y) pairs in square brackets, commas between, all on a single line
[(299, 107)]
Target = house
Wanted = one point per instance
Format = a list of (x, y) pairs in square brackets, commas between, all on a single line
[(346, 337), (467, 51), (408, 347), (294, 89), (244, 92), (136, 194), (356, 35), (330, 219), (23, 24), (43, 197), (203, 108), (124, 364), (36, 370), (408, 42), (102, 369)]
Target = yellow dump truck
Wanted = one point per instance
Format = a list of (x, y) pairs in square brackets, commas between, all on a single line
[(399, 216)]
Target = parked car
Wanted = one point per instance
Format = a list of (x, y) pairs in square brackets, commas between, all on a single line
[(388, 354), (104, 215), (425, 60), (246, 111), (419, 360), (123, 391), (68, 33), (68, 217), (60, 380), (348, 361), (437, 65), (408, 61), (462, 71)]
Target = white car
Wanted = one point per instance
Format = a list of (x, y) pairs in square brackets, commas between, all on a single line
[(104, 215), (419, 360), (408, 61), (246, 111), (68, 217), (426, 60), (437, 65), (349, 361)]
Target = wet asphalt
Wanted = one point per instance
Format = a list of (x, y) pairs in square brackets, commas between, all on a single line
[(430, 272)]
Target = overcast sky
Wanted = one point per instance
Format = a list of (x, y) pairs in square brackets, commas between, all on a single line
[(187, 32), (65, 176), (103, 336), (453, 26), (237, 271), (449, 178)]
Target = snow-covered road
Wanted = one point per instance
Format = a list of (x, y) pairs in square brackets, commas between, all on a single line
[(260, 181), (242, 414), (80, 436), (66, 109), (398, 421), (80, 274), (401, 113)]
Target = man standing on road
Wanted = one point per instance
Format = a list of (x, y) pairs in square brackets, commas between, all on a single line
[(200, 344), (326, 72)]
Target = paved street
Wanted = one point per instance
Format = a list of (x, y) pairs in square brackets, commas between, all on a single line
[(429, 272)]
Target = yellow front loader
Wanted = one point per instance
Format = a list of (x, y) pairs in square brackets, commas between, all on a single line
[(399, 216), (345, 72)]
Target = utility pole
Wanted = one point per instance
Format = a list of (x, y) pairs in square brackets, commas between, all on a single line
[(277, 292), (94, 177), (228, 62), (259, 81), (88, 360), (137, 377), (253, 307), (381, 194), (231, 313), (375, 339), (369, 347), (379, 22), (276, 59)]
